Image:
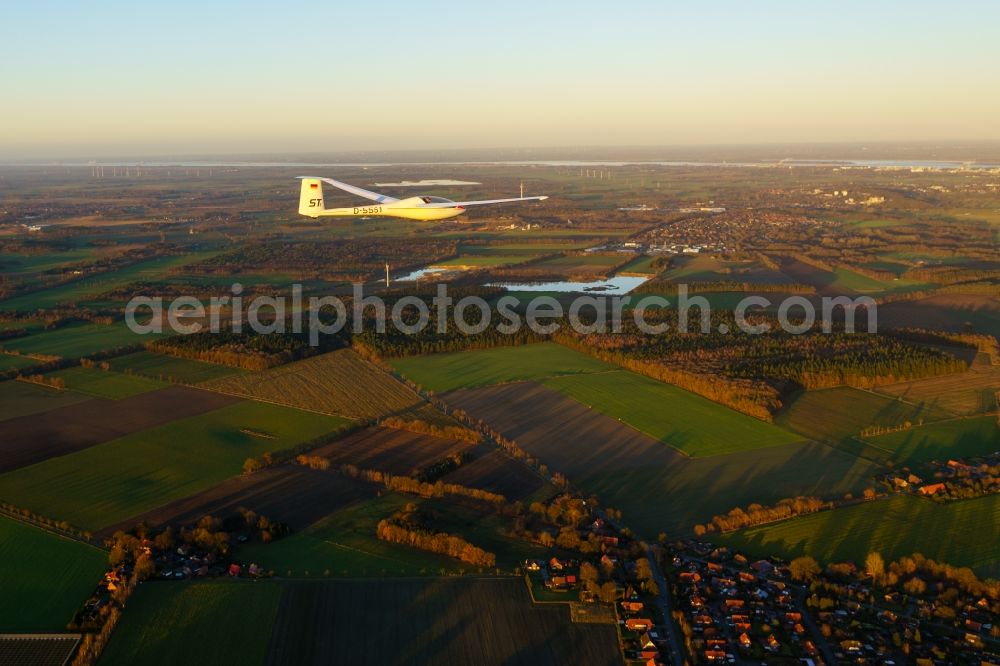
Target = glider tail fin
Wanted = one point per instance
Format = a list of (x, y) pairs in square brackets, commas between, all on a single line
[(311, 197)]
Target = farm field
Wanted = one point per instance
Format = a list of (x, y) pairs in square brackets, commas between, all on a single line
[(113, 481), (89, 287), (479, 525), (485, 260), (338, 383), (656, 487), (435, 621), (956, 438), (946, 312), (23, 399), (439, 622), (344, 544), (482, 367), (104, 383), (172, 622), (589, 266), (45, 577), (78, 340), (11, 361), (835, 414), (705, 268), (79, 424), (388, 450), (497, 472), (519, 248), (961, 393), (899, 525), (842, 280), (170, 368), (16, 262), (288, 493), (693, 425), (641, 265), (33, 648), (674, 498)]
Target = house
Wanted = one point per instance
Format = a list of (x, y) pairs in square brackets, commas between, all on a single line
[(633, 606), (772, 643), (715, 655), (234, 569), (932, 489), (745, 640), (556, 564), (646, 642), (851, 646), (533, 565), (638, 624)]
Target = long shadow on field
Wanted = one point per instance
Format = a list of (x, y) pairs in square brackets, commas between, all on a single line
[(31, 439), (657, 489), (430, 621)]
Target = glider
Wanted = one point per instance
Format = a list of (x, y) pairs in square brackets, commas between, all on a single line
[(412, 208)]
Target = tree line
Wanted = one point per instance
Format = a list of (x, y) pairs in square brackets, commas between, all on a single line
[(401, 529)]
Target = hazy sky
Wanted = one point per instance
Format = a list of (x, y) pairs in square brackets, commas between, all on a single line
[(100, 77)]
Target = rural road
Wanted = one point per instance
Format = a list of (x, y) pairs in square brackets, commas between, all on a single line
[(663, 601)]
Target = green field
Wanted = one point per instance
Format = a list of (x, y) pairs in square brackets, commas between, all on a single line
[(219, 622), (958, 438), (673, 497), (593, 259), (9, 361), (897, 526), (484, 260), (520, 248), (13, 262), (78, 340), (109, 483), (482, 527), (689, 423), (642, 265), (344, 543), (707, 268), (837, 414), (447, 372), (169, 368), (45, 578), (435, 621), (847, 280), (104, 383), (876, 224), (22, 399), (89, 287)]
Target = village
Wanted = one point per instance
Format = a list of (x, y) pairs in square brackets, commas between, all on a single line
[(734, 610)]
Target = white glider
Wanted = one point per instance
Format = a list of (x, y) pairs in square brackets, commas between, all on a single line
[(412, 208)]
